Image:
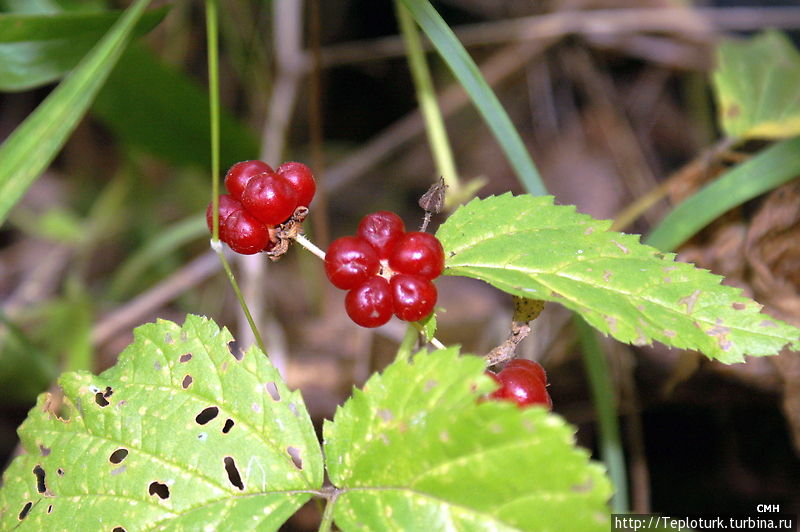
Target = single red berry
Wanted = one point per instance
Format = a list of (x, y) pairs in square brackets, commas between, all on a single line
[(350, 261), (522, 387), (301, 178), (240, 173), (270, 198), (418, 253), (413, 296), (244, 234), (370, 303), (227, 205), (382, 230), (529, 365)]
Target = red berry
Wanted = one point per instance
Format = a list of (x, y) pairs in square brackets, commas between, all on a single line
[(370, 303), (302, 180), (270, 198), (227, 205), (522, 387), (240, 173), (350, 261), (418, 253), (244, 234), (382, 230), (414, 297), (529, 365)]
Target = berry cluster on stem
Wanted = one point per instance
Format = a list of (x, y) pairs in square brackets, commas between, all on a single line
[(386, 270), (260, 199)]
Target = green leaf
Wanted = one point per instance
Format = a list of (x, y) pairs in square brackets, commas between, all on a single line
[(184, 433), (770, 168), (470, 77), (415, 450), (39, 49), (29, 149), (528, 247), (154, 107), (756, 86)]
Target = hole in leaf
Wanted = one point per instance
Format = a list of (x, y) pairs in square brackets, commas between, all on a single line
[(25, 509), (44, 451), (119, 529), (50, 509), (168, 338), (118, 456), (293, 408), (60, 472), (100, 399), (228, 426), (207, 415), (233, 473), (187, 381), (41, 487), (160, 489), (233, 347), (185, 358), (272, 389), (294, 452)]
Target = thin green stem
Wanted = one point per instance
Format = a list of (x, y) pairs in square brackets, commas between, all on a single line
[(212, 44), (603, 397), (217, 247), (327, 516), (426, 96), (407, 344)]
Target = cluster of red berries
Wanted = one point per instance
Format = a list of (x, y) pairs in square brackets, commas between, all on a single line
[(386, 270), (523, 382), (258, 199)]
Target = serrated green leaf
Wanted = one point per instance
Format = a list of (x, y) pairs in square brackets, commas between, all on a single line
[(415, 450), (182, 403), (528, 247), (756, 85), (29, 149)]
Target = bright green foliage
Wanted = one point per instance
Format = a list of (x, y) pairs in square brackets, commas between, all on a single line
[(756, 84), (29, 149), (36, 49), (211, 437), (529, 247), (415, 450)]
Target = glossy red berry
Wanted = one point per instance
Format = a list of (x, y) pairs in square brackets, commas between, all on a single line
[(418, 253), (301, 179), (227, 205), (244, 234), (370, 303), (522, 387), (240, 173), (382, 229), (350, 261), (413, 296), (528, 365), (270, 198)]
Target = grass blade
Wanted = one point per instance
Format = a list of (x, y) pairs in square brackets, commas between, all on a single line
[(467, 73), (34, 144), (771, 168)]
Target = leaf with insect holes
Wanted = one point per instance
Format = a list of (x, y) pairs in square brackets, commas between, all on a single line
[(528, 247), (756, 86), (184, 433), (416, 450)]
